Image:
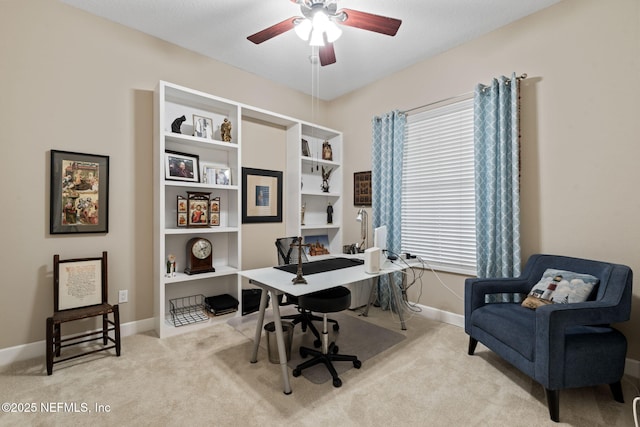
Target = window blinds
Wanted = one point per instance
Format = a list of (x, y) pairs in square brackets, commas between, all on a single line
[(438, 188)]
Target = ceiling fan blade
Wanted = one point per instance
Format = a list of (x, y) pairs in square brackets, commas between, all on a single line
[(327, 54), (371, 22), (272, 31)]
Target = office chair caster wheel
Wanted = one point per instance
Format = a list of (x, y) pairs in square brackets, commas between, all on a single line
[(357, 364), (336, 327), (335, 349), (303, 352), (296, 372), (337, 382), (317, 343)]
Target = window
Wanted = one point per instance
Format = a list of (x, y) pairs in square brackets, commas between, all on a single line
[(438, 187)]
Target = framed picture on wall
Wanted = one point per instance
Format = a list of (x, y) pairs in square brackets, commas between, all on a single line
[(79, 187), (262, 195), (362, 188)]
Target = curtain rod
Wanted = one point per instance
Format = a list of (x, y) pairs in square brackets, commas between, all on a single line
[(521, 77)]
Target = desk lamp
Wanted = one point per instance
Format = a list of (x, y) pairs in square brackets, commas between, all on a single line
[(362, 218)]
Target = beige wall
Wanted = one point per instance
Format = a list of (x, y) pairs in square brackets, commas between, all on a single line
[(71, 81), (580, 127)]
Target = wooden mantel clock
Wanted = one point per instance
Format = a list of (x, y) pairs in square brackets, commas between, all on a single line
[(199, 256)]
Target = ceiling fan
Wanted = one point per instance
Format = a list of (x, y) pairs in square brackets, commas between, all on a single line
[(318, 25)]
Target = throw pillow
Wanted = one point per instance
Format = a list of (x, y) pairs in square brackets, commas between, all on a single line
[(560, 287)]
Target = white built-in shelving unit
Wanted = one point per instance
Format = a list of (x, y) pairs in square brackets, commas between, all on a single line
[(303, 178)]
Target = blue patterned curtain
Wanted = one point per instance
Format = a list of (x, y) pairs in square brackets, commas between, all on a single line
[(386, 185), (497, 163)]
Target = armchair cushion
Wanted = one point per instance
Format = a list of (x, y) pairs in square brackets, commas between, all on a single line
[(561, 287)]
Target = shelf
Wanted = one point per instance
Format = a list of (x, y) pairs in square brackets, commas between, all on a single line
[(201, 185), (320, 193), (312, 161), (319, 226), (196, 141), (221, 270), (201, 230), (170, 330), (170, 102)]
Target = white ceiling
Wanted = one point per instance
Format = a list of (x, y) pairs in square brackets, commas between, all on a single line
[(219, 29)]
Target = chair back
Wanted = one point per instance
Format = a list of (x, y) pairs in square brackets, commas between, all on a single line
[(288, 254), (79, 282), (615, 285)]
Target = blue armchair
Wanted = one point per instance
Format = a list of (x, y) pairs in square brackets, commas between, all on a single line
[(560, 346)]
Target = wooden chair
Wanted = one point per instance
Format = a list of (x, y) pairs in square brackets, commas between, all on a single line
[(80, 292)]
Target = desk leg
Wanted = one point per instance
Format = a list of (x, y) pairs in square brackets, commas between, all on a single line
[(256, 339), (282, 353), (372, 295), (395, 295)]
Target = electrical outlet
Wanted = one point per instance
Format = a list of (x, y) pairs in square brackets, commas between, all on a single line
[(123, 296)]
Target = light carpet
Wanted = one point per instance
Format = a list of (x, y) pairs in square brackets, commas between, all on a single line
[(205, 378), (355, 337)]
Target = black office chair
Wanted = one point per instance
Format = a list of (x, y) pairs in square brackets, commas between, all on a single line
[(327, 301), (289, 255)]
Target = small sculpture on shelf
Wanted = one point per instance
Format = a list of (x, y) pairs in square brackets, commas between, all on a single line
[(225, 130), (177, 123), (304, 207), (326, 174), (327, 153), (171, 266), (329, 214)]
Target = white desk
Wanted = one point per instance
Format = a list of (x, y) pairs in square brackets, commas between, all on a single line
[(278, 282)]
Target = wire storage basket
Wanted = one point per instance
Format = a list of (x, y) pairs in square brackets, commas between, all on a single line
[(187, 310)]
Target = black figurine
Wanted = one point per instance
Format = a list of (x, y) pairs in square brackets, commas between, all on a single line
[(329, 214), (177, 123)]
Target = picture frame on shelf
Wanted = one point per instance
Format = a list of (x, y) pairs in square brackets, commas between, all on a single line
[(208, 173), (318, 245), (181, 166), (262, 195), (79, 193), (214, 211), (362, 188), (182, 211), (197, 209), (202, 127), (223, 176)]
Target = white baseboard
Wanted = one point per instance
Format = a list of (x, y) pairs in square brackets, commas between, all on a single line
[(632, 368), (441, 315), (34, 350)]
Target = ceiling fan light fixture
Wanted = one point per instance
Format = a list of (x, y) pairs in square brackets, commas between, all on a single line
[(333, 32), (320, 20), (303, 29), (317, 38)]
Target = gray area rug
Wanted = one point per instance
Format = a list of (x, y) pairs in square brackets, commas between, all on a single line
[(355, 337)]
